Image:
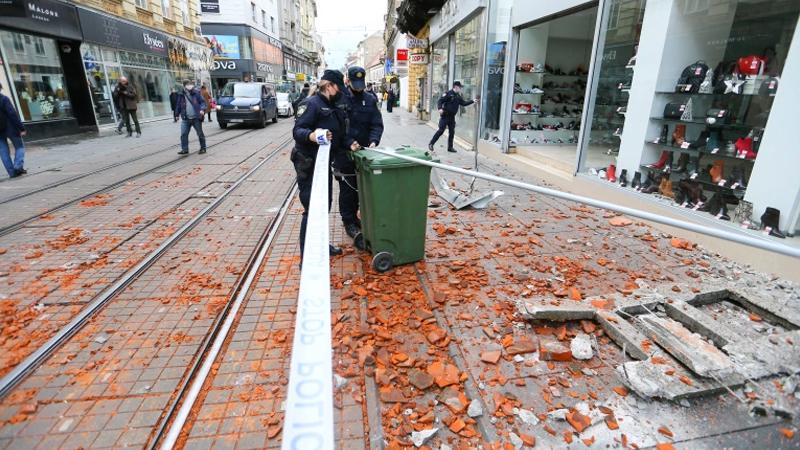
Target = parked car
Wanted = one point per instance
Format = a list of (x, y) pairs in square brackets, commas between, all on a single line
[(251, 103), (285, 108)]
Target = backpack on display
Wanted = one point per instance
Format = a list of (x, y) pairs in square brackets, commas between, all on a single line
[(692, 77), (676, 111)]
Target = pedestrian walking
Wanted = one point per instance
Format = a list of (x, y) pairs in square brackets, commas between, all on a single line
[(390, 100), (125, 98), (448, 106), (207, 98), (11, 129), (173, 103), (191, 108), (365, 129), (318, 111)]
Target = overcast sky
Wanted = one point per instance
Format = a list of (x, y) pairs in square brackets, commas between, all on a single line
[(341, 28)]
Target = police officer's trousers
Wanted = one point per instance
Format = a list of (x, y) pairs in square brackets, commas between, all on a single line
[(348, 188), (304, 168), (449, 122)]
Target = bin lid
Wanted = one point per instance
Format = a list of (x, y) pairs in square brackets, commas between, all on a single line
[(373, 160)]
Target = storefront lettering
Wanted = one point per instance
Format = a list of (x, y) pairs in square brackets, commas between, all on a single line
[(153, 42), (42, 14), (497, 70), (223, 65), (263, 67)]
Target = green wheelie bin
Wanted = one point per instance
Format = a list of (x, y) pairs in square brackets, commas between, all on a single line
[(393, 196)]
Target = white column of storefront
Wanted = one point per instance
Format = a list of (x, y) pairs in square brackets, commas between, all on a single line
[(775, 181), (652, 48)]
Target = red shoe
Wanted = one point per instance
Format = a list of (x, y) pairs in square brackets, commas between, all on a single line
[(661, 161), (611, 173)]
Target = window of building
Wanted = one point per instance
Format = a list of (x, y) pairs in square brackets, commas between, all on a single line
[(263, 18), (141, 4), (19, 47), (253, 12), (38, 44), (185, 13), (272, 23), (165, 9)]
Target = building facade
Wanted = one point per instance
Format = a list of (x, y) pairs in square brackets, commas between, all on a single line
[(154, 44), (301, 43), (244, 38), (692, 97)]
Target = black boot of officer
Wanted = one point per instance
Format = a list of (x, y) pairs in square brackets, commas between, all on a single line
[(448, 106), (319, 111), (365, 129)]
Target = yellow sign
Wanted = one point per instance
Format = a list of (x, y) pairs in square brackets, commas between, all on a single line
[(301, 77)]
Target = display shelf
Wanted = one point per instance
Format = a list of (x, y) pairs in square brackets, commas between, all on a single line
[(730, 126), (530, 73), (697, 152), (527, 93), (703, 180), (525, 114), (711, 94)]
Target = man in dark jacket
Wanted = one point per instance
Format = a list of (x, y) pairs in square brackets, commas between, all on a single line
[(11, 128), (125, 98), (448, 107), (303, 95), (365, 129), (191, 108), (318, 111)]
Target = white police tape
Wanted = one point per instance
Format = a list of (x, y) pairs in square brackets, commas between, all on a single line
[(740, 238), (308, 421)]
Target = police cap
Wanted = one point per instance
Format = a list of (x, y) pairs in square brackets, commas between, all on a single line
[(334, 76), (358, 77)]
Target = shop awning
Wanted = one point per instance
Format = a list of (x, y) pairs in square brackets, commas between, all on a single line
[(412, 15)]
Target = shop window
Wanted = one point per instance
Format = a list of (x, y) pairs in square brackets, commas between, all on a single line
[(719, 75), (38, 78), (439, 57), (550, 85)]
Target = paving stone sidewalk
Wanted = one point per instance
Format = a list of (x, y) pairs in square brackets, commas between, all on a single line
[(446, 354)]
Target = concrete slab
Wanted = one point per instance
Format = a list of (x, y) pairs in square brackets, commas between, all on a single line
[(766, 355), (689, 348), (622, 333), (699, 322)]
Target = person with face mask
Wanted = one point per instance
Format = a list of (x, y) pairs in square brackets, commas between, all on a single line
[(448, 107), (191, 108), (125, 98), (318, 111), (365, 129), (11, 129)]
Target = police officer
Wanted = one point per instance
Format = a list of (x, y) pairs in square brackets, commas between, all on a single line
[(448, 106), (318, 111), (365, 128)]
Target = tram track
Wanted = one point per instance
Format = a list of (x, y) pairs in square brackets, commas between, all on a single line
[(42, 353), (61, 183)]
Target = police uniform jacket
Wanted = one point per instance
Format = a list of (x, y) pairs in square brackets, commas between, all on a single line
[(366, 123), (451, 101), (318, 112)]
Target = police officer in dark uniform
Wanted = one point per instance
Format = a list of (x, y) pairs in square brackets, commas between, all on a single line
[(448, 107), (365, 128), (318, 111)]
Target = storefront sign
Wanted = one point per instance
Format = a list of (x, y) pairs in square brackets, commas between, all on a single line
[(108, 31), (223, 64), (209, 6), (402, 54), (264, 67), (413, 42), (451, 15), (41, 16), (420, 58), (300, 77)]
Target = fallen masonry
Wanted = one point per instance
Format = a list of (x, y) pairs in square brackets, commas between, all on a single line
[(695, 353)]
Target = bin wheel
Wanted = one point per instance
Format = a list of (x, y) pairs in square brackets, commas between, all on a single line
[(382, 261)]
